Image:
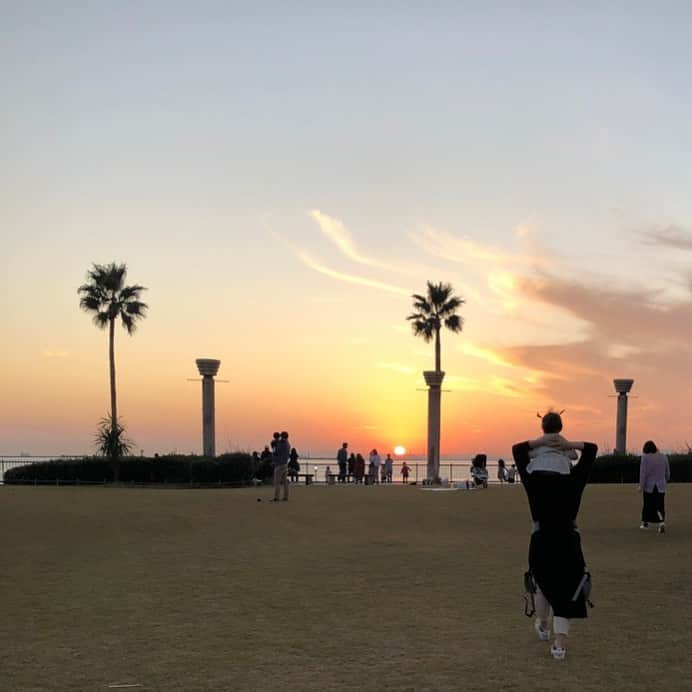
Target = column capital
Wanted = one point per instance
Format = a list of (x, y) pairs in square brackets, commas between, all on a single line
[(623, 385), (208, 367), (433, 378)]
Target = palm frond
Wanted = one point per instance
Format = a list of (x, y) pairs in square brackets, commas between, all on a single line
[(90, 303), (131, 292), (135, 308), (106, 296), (451, 305), (439, 294), (101, 320), (128, 322), (434, 310), (424, 328), (454, 323), (421, 303)]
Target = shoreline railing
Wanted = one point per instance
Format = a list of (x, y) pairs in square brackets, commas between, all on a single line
[(455, 470)]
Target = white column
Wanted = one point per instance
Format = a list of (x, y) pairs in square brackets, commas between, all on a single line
[(208, 368), (208, 417), (433, 379), (622, 387)]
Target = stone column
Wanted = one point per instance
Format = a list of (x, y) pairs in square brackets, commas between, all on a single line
[(622, 387), (433, 378), (208, 368)]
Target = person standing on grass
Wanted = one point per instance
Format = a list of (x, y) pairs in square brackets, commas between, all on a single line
[(375, 465), (280, 456), (359, 467), (654, 473), (342, 461), (293, 465), (388, 468), (351, 467), (501, 470), (556, 561)]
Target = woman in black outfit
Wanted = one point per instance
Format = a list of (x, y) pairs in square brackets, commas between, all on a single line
[(555, 555)]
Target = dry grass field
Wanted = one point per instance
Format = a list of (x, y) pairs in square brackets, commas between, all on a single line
[(342, 588)]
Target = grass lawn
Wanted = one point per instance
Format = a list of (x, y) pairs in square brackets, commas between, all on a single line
[(342, 588)]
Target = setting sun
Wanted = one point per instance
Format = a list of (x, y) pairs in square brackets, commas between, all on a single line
[(399, 450)]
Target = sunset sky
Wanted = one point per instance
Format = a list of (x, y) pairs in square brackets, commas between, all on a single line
[(282, 180)]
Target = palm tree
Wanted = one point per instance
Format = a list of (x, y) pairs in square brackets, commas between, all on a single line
[(434, 310), (106, 296)]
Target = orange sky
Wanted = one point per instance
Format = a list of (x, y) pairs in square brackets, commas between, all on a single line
[(283, 187), (332, 360)]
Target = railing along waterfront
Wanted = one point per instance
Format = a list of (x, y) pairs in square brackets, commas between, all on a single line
[(9, 462), (454, 470)]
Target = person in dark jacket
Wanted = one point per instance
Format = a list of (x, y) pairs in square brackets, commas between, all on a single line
[(351, 467), (293, 465), (359, 468), (342, 461), (280, 455), (556, 561)]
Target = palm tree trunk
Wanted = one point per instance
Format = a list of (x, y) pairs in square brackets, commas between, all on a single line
[(111, 360), (438, 365), (114, 407)]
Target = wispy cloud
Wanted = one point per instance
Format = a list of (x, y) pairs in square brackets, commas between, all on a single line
[(669, 236), (335, 230), (463, 249), (498, 386), (491, 356), (350, 278), (622, 351), (617, 316), (503, 386)]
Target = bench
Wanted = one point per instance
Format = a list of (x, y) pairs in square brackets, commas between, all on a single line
[(333, 478), (307, 476)]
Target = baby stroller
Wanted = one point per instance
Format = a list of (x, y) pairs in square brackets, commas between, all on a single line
[(479, 472)]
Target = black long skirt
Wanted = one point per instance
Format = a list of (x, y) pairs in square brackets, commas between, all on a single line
[(654, 506), (557, 563)]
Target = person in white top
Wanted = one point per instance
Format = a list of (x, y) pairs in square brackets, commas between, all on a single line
[(654, 473), (547, 459), (375, 462)]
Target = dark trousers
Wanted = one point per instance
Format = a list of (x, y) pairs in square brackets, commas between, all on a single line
[(654, 507), (557, 564)]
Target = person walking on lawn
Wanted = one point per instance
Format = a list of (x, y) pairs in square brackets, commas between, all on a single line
[(556, 560)]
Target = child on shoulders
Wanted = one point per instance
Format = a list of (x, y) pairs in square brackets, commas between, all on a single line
[(549, 459)]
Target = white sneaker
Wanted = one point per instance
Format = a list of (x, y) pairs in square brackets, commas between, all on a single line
[(661, 528), (643, 525), (558, 653), (543, 635)]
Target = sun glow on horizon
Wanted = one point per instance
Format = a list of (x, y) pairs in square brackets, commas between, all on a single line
[(399, 450)]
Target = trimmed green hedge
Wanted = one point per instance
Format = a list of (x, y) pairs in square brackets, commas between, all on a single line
[(617, 468), (229, 469)]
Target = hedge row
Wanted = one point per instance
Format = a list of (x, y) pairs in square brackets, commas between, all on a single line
[(231, 469), (615, 468), (240, 469)]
